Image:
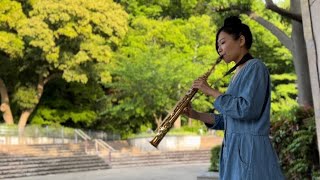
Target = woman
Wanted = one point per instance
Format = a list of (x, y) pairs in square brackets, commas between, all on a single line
[(244, 109)]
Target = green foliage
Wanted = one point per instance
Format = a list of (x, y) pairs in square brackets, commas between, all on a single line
[(79, 118), (26, 97), (146, 130), (193, 130), (83, 33), (72, 39), (54, 130), (10, 16), (215, 158), (165, 8), (284, 92), (156, 65), (70, 104), (11, 45), (294, 138)]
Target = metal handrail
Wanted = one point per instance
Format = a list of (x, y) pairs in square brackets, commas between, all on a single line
[(104, 144), (82, 134)]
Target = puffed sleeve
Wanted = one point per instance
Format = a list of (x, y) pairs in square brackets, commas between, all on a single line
[(251, 93)]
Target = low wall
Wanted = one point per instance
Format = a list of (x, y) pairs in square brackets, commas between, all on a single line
[(168, 143)]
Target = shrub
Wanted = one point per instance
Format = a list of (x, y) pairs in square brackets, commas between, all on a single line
[(215, 157), (294, 139)]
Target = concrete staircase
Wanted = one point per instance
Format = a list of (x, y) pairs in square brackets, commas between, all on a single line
[(128, 156), (122, 160), (35, 160)]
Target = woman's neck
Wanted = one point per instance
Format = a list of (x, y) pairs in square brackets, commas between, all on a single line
[(242, 53), (243, 63)]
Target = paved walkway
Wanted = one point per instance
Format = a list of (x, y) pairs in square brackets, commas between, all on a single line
[(169, 172)]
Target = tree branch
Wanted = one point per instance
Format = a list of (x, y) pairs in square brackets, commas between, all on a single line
[(43, 81), (231, 7), (283, 38), (5, 105), (273, 7), (52, 76)]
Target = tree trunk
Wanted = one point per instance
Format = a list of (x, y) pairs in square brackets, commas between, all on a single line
[(297, 47), (5, 105), (189, 122), (177, 123), (158, 120), (23, 119), (40, 87), (310, 19), (300, 60), (281, 36)]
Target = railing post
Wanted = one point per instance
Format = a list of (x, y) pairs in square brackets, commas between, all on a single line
[(110, 157), (62, 135), (86, 146), (96, 146), (75, 136)]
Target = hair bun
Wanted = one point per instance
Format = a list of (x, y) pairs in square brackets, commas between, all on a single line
[(232, 21)]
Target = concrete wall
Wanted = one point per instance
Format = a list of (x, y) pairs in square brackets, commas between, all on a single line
[(31, 140), (168, 143), (311, 27)]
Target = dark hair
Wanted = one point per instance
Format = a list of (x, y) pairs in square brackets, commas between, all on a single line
[(234, 26)]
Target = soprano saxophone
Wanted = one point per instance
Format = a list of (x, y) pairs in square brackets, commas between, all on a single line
[(168, 122)]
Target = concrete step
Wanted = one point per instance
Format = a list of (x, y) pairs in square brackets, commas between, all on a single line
[(144, 160), (155, 157), (43, 149), (161, 158), (57, 171), (35, 160), (47, 167), (123, 154), (44, 146), (44, 154), (38, 162), (158, 163), (119, 145)]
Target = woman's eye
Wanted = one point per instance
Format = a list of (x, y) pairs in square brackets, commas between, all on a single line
[(221, 43)]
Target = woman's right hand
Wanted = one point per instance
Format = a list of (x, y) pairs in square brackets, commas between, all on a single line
[(188, 111)]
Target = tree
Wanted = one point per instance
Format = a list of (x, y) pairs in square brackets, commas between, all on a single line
[(43, 40)]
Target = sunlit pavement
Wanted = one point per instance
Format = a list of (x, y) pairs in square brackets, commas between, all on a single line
[(169, 172)]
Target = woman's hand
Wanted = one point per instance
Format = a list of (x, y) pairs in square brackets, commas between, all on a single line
[(204, 87), (188, 111), (191, 113)]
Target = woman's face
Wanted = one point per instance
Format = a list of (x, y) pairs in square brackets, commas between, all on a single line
[(229, 47)]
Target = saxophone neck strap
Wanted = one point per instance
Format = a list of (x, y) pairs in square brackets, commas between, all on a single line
[(244, 59)]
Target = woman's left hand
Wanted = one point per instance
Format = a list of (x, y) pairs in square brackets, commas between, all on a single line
[(204, 87)]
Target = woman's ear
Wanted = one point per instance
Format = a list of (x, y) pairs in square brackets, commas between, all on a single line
[(242, 41)]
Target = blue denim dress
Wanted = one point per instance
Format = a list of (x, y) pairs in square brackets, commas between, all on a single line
[(247, 152)]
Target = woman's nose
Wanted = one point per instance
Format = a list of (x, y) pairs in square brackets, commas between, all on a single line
[(219, 50)]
